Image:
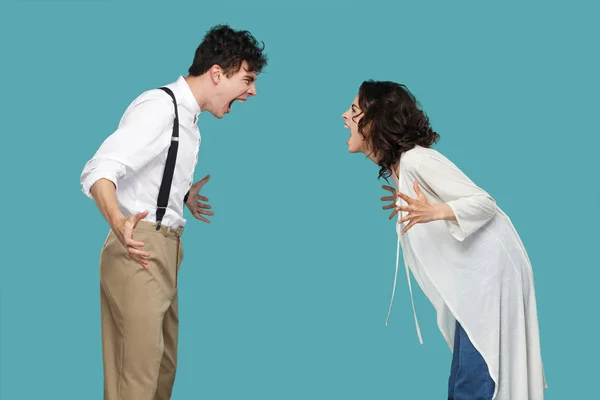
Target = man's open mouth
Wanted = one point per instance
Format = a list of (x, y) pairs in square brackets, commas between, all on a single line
[(240, 99)]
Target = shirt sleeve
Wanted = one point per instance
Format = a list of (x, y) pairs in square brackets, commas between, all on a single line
[(139, 138), (472, 206)]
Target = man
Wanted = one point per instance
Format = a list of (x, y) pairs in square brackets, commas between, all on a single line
[(140, 178)]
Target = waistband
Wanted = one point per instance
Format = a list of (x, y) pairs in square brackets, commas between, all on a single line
[(165, 230)]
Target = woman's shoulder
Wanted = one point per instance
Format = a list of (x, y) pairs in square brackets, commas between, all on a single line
[(414, 156), (421, 159)]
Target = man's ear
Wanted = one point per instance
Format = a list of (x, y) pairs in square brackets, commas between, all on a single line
[(216, 74)]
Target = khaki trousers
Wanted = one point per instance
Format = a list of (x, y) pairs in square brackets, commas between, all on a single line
[(139, 315)]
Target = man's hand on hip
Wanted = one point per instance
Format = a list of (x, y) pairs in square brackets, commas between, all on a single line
[(123, 229)]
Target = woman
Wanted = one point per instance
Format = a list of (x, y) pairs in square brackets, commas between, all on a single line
[(460, 246)]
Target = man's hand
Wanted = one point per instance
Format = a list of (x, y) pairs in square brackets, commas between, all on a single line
[(104, 193), (123, 229), (196, 207), (391, 198)]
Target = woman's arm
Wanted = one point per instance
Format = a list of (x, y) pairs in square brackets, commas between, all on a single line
[(465, 206)]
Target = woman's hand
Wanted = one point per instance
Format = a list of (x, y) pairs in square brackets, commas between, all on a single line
[(421, 211), (391, 198)]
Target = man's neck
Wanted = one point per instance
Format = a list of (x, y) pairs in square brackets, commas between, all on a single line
[(202, 88)]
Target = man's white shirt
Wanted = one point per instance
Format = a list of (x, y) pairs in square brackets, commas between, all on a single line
[(133, 157)]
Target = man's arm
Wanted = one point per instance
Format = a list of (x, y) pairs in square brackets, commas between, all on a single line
[(105, 194), (137, 141)]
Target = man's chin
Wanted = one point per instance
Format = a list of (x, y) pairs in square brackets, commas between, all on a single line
[(217, 115)]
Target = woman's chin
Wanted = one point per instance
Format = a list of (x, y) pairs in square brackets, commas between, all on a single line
[(352, 149)]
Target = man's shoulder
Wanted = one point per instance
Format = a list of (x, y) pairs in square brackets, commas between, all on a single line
[(151, 101), (154, 95)]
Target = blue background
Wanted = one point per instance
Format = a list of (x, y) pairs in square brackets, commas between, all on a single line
[(284, 295)]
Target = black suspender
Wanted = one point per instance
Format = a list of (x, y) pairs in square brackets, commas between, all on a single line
[(167, 179)]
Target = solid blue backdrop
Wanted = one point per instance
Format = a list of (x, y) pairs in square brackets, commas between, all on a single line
[(284, 295)]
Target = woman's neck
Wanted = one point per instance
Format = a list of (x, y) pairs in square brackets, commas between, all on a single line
[(394, 167)]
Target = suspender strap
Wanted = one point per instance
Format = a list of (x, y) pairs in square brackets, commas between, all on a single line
[(167, 179)]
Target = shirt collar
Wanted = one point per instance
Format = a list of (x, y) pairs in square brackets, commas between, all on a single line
[(185, 96)]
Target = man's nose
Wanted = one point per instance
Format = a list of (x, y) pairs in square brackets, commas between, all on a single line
[(252, 90)]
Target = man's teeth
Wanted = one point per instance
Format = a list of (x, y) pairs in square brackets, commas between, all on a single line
[(241, 101)]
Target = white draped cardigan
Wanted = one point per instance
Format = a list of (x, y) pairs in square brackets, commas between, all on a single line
[(476, 271)]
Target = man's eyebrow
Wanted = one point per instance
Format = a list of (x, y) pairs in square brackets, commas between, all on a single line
[(249, 75)]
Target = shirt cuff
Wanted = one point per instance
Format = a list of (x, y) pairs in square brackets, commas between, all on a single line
[(94, 177)]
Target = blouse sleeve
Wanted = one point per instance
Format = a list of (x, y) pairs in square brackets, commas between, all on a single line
[(472, 206)]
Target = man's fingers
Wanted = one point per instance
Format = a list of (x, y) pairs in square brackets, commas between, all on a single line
[(137, 253), (143, 262), (203, 181), (201, 211), (388, 198), (202, 205), (203, 198), (388, 188), (403, 208), (201, 218), (393, 213), (141, 216), (129, 241), (389, 206)]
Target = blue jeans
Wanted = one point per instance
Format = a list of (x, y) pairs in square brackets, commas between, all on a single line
[(469, 376)]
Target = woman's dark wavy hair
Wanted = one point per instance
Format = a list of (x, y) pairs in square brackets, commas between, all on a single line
[(228, 48), (392, 122)]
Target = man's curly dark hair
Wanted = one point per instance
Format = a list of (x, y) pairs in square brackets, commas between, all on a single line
[(228, 48), (392, 122)]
